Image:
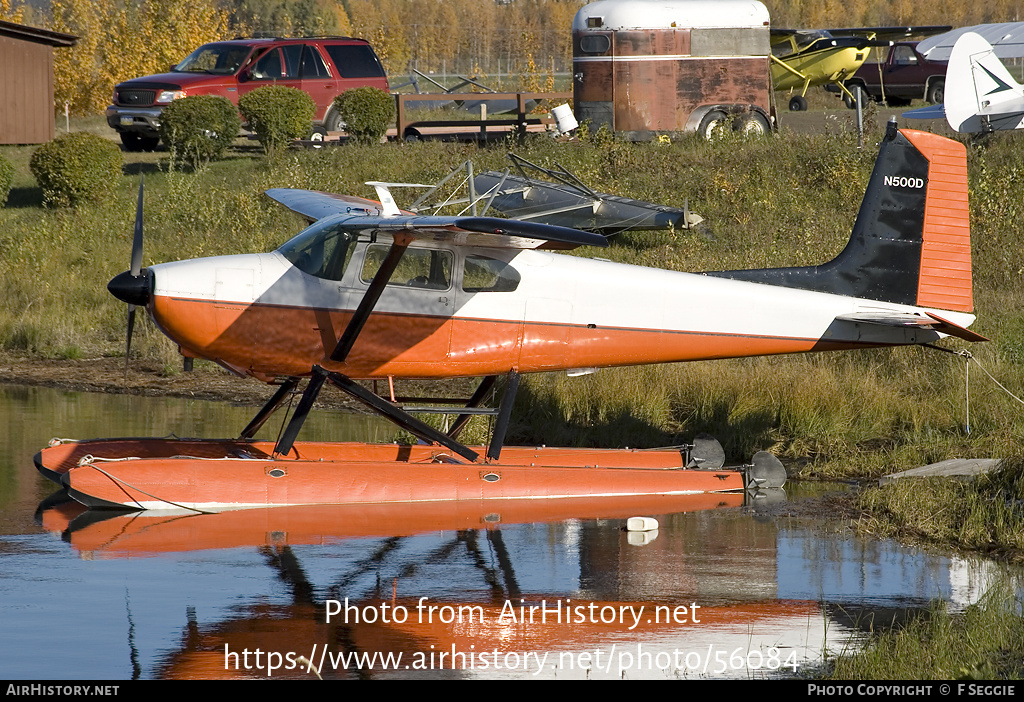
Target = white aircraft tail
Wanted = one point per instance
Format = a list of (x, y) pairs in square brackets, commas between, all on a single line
[(981, 95)]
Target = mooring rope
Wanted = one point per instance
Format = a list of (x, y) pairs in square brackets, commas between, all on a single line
[(119, 481), (968, 357)]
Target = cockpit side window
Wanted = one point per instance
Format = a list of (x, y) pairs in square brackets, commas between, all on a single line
[(418, 268), (323, 252), (483, 274)]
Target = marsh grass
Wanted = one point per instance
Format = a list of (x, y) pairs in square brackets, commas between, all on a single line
[(788, 200), (983, 642), (984, 515)]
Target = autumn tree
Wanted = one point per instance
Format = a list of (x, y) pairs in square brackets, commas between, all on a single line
[(122, 39), (287, 18)]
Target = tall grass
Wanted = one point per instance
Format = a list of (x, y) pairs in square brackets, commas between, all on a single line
[(984, 515), (787, 200), (981, 643)]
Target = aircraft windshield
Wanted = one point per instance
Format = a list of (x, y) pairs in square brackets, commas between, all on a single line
[(221, 59), (799, 42), (322, 250)]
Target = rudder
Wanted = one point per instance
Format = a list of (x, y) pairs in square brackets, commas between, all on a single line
[(911, 242)]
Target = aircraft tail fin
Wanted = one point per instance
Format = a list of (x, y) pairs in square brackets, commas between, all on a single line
[(911, 242), (981, 95)]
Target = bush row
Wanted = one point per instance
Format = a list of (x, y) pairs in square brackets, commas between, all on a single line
[(81, 167)]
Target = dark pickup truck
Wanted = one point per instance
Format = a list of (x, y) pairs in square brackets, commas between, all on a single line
[(903, 76)]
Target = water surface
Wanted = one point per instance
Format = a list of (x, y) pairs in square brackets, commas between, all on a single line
[(719, 591)]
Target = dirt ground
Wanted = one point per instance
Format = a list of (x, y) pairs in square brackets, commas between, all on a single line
[(206, 382), (108, 375)]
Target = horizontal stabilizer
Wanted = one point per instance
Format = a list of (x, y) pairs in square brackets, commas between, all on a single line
[(926, 112), (315, 205), (911, 320), (947, 327)]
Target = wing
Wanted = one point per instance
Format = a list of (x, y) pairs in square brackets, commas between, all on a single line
[(890, 33), (367, 216), (575, 205), (1006, 38)]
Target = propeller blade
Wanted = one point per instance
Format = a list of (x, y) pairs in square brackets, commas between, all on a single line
[(135, 271), (137, 239)]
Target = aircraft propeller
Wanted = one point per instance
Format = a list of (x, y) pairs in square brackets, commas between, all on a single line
[(135, 285)]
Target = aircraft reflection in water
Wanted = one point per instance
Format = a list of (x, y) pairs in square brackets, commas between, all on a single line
[(724, 595), (575, 597)]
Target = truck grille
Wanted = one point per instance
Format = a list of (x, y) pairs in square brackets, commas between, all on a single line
[(136, 97)]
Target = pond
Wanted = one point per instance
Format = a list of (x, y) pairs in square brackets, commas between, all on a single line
[(722, 589)]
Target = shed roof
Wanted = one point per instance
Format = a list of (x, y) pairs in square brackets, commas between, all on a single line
[(35, 34)]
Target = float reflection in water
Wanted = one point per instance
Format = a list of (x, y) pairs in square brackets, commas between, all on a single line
[(497, 625)]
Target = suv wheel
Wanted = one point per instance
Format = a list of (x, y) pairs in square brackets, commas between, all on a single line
[(937, 92), (333, 121), (134, 141)]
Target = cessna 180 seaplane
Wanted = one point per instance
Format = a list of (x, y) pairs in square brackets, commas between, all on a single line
[(371, 292)]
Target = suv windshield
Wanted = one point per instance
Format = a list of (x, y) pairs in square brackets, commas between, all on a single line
[(223, 59)]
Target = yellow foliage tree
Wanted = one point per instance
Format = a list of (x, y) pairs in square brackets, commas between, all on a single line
[(9, 13), (121, 39)]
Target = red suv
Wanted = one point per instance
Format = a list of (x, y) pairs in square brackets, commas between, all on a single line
[(321, 67)]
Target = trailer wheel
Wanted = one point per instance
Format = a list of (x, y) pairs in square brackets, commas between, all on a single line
[(937, 92), (714, 125), (318, 135), (752, 124), (798, 103)]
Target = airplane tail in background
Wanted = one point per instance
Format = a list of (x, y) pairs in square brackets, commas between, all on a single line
[(911, 243), (981, 95)]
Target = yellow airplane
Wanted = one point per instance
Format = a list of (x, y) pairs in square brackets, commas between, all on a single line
[(804, 58)]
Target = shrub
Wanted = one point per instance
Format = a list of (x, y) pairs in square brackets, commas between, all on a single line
[(76, 167), (278, 114), (367, 113), (6, 179), (198, 128)]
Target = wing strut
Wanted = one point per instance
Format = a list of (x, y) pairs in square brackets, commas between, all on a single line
[(369, 301)]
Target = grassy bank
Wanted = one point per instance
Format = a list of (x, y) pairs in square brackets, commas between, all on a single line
[(789, 200), (980, 643)]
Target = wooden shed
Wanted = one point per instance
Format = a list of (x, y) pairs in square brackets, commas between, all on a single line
[(26, 82)]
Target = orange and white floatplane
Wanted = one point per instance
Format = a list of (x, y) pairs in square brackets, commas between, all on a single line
[(369, 291)]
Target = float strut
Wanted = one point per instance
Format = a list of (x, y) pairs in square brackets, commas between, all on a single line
[(504, 413), (309, 395), (481, 392), (268, 409)]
